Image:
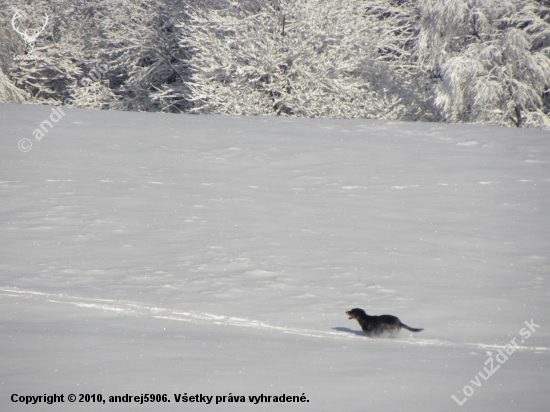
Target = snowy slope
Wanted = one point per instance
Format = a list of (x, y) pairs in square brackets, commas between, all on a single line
[(179, 254)]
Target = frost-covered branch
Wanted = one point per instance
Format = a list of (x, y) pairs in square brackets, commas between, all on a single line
[(331, 60), (492, 58)]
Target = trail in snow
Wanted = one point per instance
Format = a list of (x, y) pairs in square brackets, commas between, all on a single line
[(128, 308)]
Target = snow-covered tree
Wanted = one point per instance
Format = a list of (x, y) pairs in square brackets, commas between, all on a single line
[(315, 58), (62, 45), (8, 92), (141, 45), (136, 41), (492, 57)]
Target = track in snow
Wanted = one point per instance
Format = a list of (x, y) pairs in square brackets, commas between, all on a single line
[(137, 309)]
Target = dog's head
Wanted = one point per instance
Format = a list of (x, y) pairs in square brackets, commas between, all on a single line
[(356, 313)]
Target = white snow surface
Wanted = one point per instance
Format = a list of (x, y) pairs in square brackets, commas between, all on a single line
[(217, 255)]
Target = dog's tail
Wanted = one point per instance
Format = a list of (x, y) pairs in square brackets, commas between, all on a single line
[(411, 329)]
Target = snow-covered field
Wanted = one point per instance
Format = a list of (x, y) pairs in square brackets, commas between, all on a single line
[(176, 254)]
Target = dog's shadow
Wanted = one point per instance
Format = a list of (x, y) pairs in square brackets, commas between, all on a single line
[(348, 330), (361, 333)]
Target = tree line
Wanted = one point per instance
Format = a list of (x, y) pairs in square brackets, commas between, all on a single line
[(475, 61)]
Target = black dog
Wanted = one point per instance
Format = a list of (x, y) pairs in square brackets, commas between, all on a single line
[(385, 325)]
